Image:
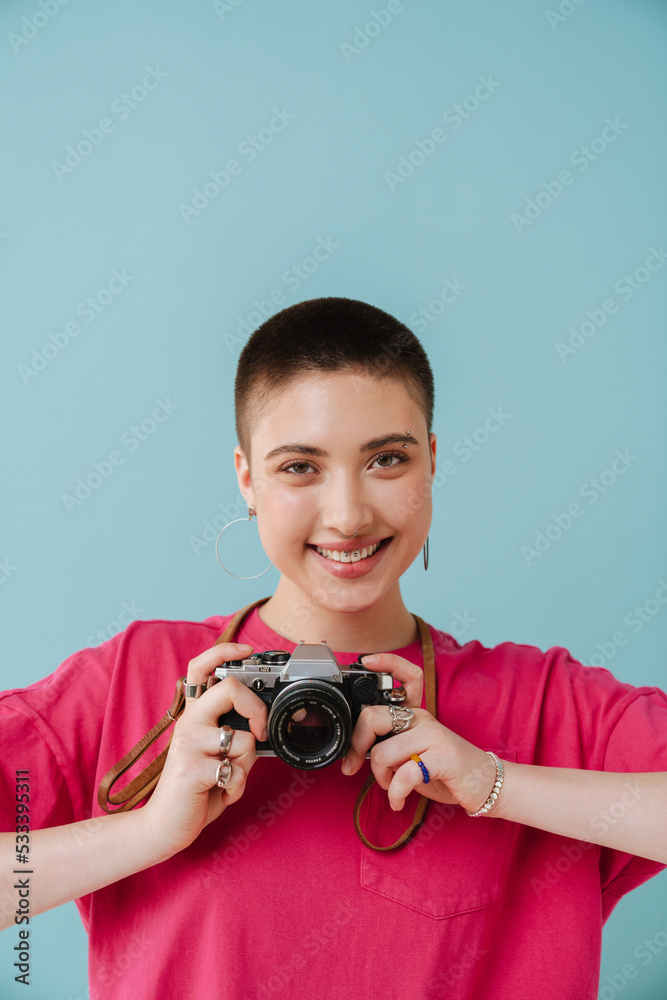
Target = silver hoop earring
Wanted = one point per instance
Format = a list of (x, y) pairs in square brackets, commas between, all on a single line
[(251, 513), (426, 553)]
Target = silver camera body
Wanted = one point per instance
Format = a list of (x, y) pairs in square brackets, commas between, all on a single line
[(313, 702)]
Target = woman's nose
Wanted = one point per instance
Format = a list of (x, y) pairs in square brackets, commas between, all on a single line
[(344, 507)]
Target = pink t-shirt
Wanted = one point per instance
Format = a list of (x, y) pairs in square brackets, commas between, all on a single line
[(278, 897)]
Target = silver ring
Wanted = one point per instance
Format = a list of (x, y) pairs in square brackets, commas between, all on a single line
[(193, 690), (224, 772), (401, 717), (226, 733)]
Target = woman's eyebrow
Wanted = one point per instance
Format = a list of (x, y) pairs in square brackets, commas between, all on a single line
[(309, 449)]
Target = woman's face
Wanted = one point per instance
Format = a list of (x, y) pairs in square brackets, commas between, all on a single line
[(322, 464)]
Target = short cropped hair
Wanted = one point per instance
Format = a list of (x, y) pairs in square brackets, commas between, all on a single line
[(327, 335)]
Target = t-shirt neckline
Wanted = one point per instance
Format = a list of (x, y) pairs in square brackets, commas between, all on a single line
[(263, 637)]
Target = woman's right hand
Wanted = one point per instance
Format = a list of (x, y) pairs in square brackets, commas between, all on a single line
[(186, 798)]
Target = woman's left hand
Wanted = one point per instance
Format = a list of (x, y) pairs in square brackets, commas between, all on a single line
[(460, 772)]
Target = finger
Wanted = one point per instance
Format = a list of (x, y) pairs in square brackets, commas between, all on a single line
[(241, 750), (232, 774), (222, 698), (197, 743), (392, 753), (409, 674), (242, 742), (407, 778), (388, 755), (202, 666), (373, 721)]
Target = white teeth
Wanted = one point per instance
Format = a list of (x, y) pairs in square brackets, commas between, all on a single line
[(354, 555)]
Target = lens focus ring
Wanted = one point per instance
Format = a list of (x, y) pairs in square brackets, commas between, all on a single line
[(310, 724)]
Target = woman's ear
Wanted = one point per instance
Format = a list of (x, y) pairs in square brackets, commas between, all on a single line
[(243, 476), (432, 445)]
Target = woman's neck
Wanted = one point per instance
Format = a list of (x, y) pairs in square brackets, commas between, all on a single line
[(385, 626)]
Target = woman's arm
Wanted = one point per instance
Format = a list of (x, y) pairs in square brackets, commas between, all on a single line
[(627, 812), (623, 811), (66, 862)]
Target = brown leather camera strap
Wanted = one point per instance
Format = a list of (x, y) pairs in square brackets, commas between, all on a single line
[(428, 655), (147, 779), (144, 783)]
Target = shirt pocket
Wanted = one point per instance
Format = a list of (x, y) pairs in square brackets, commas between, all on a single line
[(453, 864)]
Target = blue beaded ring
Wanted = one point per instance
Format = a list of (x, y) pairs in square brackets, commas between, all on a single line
[(417, 759)]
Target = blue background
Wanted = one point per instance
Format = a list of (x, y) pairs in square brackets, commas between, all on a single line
[(196, 278)]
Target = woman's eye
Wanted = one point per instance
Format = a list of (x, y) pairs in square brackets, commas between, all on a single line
[(385, 461), (390, 455), (294, 467)]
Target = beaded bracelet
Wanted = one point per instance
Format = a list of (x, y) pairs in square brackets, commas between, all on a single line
[(495, 791)]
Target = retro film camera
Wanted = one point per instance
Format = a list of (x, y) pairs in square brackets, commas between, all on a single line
[(313, 703)]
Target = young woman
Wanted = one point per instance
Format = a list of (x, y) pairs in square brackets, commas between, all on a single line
[(242, 876)]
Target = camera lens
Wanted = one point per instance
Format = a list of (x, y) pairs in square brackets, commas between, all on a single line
[(309, 729), (310, 724)]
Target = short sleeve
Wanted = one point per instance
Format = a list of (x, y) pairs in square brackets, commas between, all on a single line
[(52, 729), (70, 727), (24, 749), (637, 744)]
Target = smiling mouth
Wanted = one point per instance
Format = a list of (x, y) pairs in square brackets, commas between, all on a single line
[(350, 555)]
